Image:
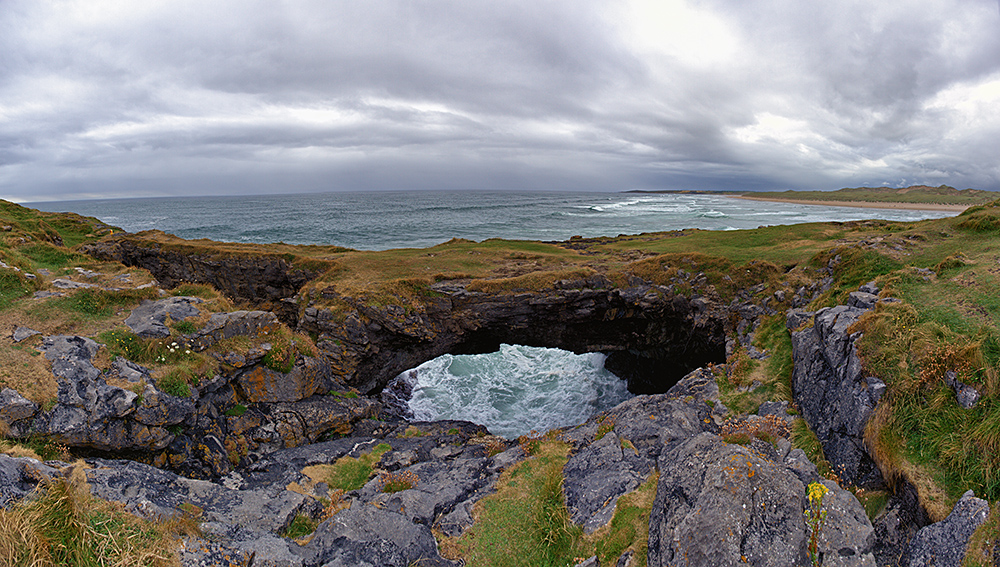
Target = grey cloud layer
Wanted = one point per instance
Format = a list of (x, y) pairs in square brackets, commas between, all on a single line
[(181, 97)]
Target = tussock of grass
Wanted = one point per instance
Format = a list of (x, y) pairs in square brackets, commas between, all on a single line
[(301, 527), (13, 286), (804, 438), (349, 473), (919, 430), (979, 553), (63, 525), (525, 522)]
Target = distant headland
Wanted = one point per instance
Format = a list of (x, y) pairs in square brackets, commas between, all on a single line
[(917, 197)]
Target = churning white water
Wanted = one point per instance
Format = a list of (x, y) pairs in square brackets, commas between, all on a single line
[(515, 390)]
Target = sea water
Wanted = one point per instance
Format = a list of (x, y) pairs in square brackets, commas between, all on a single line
[(517, 389), (418, 219)]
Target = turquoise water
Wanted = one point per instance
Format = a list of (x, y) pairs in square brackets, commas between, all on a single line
[(517, 389)]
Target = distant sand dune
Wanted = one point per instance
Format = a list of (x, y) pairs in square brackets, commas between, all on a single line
[(863, 204)]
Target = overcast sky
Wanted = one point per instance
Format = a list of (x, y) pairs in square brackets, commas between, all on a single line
[(209, 97)]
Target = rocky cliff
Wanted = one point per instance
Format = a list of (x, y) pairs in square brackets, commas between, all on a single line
[(651, 334)]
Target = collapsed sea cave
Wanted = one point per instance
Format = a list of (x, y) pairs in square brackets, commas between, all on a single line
[(651, 337)]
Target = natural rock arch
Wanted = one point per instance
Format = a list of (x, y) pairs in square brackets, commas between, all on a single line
[(652, 336)]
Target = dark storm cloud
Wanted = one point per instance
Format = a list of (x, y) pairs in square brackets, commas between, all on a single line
[(111, 98)]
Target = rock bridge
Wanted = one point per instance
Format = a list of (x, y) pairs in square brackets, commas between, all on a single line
[(652, 335)]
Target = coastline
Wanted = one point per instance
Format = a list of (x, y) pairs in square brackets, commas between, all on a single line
[(863, 204)]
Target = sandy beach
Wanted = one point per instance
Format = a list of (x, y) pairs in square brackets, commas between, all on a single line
[(864, 204)]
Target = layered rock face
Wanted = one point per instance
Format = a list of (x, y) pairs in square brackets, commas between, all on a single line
[(652, 336), (261, 280), (242, 413)]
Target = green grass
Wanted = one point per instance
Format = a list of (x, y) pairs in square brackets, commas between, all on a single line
[(43, 255), (942, 194), (629, 526), (300, 527), (236, 411), (175, 383), (13, 286), (184, 327), (804, 438), (350, 473), (525, 522), (94, 304)]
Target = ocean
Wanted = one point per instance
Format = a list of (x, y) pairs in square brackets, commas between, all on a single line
[(383, 220), (517, 389)]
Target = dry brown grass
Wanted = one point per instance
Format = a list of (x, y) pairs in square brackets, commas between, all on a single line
[(26, 370), (535, 281), (62, 524)]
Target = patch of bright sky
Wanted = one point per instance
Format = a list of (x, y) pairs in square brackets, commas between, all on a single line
[(770, 127), (673, 28), (970, 98)]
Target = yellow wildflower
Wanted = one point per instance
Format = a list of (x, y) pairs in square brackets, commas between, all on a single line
[(816, 492)]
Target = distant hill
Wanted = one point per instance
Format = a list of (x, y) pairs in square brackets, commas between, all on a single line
[(943, 194)]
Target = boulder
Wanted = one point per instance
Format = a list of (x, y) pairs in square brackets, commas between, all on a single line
[(237, 323), (719, 504), (944, 543), (616, 451), (149, 319), (22, 333), (308, 376), (14, 407)]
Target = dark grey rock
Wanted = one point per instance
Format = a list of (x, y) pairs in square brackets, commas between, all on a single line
[(63, 283), (721, 504), (835, 396), (15, 407), (869, 287), (597, 475), (128, 370), (153, 493), (966, 395), (797, 317), (365, 536), (44, 294), (91, 413), (19, 476), (943, 544), (626, 559), (862, 300), (149, 319), (591, 561), (22, 333), (779, 409), (237, 323)]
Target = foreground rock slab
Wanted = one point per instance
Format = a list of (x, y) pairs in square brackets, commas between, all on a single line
[(719, 504)]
